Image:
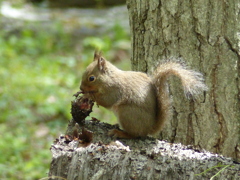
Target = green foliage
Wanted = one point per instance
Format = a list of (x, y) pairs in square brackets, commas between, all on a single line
[(214, 168), (116, 38), (39, 72)]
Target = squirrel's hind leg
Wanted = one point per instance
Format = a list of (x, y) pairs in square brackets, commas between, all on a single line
[(120, 134)]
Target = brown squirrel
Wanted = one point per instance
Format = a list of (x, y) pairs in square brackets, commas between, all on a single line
[(140, 102)]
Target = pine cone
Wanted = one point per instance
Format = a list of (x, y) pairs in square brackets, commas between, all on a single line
[(81, 108)]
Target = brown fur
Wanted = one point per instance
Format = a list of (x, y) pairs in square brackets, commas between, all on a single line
[(141, 103)]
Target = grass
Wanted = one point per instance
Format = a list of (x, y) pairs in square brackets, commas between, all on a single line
[(39, 73)]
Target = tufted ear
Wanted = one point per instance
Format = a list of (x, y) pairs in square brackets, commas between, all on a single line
[(102, 64), (97, 55), (101, 61)]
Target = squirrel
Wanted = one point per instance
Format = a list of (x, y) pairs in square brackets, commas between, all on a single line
[(140, 102)]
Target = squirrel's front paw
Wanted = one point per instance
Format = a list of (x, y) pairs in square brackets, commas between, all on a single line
[(119, 134)]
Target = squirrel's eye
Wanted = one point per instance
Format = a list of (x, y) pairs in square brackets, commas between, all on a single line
[(91, 78)]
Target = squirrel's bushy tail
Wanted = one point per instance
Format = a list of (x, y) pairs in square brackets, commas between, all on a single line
[(192, 83)]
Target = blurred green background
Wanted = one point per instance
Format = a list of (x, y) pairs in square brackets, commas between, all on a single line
[(40, 70)]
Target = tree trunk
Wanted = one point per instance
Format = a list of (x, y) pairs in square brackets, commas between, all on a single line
[(206, 34)]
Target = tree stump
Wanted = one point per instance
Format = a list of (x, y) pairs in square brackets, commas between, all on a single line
[(146, 158)]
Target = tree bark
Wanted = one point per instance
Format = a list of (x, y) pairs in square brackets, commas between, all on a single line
[(206, 34), (148, 158)]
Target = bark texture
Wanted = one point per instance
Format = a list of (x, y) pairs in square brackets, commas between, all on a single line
[(148, 158), (206, 34)]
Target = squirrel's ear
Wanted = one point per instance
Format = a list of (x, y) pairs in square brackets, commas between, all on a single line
[(101, 64), (97, 55)]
